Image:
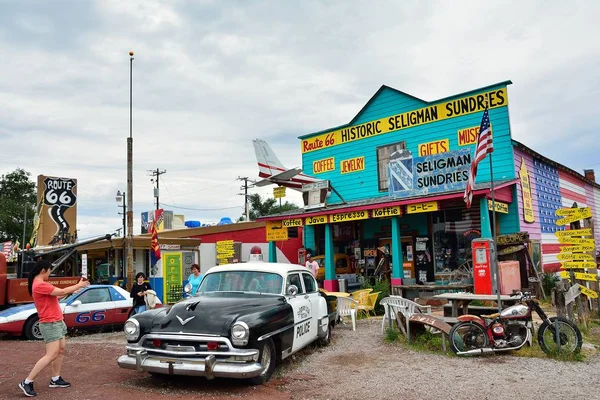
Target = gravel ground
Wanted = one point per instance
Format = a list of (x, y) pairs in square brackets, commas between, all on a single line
[(361, 364), (355, 365)]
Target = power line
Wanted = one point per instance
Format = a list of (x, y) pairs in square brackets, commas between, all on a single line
[(202, 209), (245, 194), (157, 173)]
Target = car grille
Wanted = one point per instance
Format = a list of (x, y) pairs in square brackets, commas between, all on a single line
[(187, 345)]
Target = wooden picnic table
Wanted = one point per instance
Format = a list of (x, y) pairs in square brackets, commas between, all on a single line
[(463, 299), (429, 288), (336, 294)]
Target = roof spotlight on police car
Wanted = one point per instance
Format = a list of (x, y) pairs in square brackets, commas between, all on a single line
[(272, 311)]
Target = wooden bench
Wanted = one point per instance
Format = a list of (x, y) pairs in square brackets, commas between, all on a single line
[(474, 310)]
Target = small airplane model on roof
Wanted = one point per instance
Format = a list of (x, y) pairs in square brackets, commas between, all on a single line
[(273, 171)]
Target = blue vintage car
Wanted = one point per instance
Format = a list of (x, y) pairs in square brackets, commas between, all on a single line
[(242, 321)]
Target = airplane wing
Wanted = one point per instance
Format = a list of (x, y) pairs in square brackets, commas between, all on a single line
[(286, 175), (264, 182)]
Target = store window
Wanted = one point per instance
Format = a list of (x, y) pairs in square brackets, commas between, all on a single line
[(453, 231), (384, 154)]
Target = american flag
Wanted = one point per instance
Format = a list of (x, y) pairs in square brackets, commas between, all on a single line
[(484, 146)]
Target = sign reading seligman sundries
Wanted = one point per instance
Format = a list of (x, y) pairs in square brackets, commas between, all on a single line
[(56, 220), (433, 113)]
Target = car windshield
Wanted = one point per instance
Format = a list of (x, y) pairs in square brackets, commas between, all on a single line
[(242, 281), (68, 298)]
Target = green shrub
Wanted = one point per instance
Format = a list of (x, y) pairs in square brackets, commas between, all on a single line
[(549, 280)]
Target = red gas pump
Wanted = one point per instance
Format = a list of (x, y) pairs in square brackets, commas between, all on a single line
[(483, 254)]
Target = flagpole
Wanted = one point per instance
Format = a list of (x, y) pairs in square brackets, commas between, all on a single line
[(494, 259)]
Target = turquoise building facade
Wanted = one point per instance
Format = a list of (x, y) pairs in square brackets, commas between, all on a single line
[(397, 174)]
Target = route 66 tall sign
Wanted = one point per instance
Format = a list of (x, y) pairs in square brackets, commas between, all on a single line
[(58, 216)]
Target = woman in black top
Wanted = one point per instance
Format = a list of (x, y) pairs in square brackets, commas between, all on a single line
[(138, 291)]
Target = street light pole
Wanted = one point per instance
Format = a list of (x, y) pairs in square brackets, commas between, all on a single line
[(130, 181)]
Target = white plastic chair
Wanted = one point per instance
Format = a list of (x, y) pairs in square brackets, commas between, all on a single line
[(347, 307), (406, 308)]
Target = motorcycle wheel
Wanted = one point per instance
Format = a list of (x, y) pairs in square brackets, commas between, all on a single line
[(569, 334), (468, 335)]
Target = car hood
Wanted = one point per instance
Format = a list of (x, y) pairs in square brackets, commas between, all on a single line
[(19, 312), (211, 313)]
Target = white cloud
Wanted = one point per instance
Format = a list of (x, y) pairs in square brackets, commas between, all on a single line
[(210, 76)]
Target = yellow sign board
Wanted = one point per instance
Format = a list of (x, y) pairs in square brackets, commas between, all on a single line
[(432, 113), (387, 212), (578, 264), (528, 215), (275, 231), (500, 207), (573, 232), (350, 216), (319, 219), (566, 212), (588, 292), (279, 192), (225, 242), (576, 249), (436, 147), (575, 256), (352, 165), (422, 207), (468, 136), (580, 275), (324, 165), (586, 213), (572, 240), (290, 223)]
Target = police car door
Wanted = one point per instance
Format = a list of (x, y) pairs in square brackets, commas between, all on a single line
[(302, 312), (312, 293)]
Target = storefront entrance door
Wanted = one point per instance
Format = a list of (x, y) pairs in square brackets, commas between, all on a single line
[(407, 243)]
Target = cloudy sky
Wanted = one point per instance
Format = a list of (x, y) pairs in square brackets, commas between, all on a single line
[(210, 76)]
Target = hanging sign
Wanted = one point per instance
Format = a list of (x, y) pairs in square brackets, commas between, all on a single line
[(576, 249), (319, 219), (350, 216), (580, 241), (586, 213), (422, 207), (500, 207), (573, 232), (578, 264), (84, 265), (386, 212), (528, 215), (276, 231), (575, 256)]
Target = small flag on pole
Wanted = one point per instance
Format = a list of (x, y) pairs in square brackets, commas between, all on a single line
[(154, 247), (484, 146)]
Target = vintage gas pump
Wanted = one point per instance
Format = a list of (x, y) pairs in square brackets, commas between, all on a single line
[(483, 254), (301, 256)]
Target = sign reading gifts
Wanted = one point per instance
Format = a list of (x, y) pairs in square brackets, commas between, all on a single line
[(413, 176)]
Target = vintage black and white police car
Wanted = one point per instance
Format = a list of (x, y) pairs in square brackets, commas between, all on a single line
[(242, 321)]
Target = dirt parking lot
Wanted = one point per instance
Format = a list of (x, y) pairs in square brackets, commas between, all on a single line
[(356, 365)]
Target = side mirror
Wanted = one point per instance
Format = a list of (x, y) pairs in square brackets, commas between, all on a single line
[(187, 288), (292, 290), (76, 303)]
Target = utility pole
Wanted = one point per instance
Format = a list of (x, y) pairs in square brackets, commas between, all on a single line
[(157, 173), (245, 194)]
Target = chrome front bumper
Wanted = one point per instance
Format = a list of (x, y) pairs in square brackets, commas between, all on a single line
[(208, 367)]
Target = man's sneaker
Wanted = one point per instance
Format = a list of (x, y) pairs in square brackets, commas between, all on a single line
[(27, 388), (60, 382)]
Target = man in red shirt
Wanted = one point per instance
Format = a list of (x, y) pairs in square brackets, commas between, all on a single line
[(52, 326)]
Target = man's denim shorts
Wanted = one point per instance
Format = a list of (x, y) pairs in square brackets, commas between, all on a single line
[(53, 331)]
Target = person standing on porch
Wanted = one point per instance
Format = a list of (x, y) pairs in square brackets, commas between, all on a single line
[(312, 265)]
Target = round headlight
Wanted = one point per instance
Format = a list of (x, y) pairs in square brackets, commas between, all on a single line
[(132, 329), (240, 333)]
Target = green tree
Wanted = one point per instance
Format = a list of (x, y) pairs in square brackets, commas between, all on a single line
[(17, 194), (260, 208)]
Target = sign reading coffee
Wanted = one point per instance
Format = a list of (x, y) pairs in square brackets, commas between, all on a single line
[(436, 173)]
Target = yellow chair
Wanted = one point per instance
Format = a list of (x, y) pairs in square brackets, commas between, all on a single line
[(360, 293), (367, 303)]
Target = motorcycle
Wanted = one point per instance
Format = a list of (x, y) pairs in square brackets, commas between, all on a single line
[(511, 329)]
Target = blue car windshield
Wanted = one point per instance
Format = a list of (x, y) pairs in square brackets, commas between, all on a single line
[(68, 298), (242, 281)]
